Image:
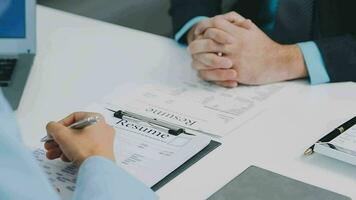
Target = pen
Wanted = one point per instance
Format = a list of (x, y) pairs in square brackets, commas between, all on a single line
[(333, 134), (77, 125)]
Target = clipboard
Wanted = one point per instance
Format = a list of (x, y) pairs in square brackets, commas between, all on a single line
[(335, 153), (211, 146), (325, 147), (173, 130)]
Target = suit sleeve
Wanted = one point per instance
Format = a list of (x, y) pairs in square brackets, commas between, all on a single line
[(182, 11), (339, 55)]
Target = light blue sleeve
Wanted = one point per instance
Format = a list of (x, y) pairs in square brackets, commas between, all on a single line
[(314, 63), (187, 26), (102, 179), (21, 177)]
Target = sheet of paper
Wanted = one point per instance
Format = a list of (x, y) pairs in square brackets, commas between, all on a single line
[(196, 105), (60, 174), (346, 141), (147, 153)]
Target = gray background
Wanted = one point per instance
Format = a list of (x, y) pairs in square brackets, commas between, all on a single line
[(147, 15)]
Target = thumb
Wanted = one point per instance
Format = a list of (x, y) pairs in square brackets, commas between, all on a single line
[(247, 24), (57, 131)]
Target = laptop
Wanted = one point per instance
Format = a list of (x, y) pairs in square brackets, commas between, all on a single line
[(17, 46)]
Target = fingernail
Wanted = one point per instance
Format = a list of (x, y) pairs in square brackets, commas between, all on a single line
[(196, 32), (226, 63), (233, 74)]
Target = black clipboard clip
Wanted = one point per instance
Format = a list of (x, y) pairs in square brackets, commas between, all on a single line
[(171, 128)]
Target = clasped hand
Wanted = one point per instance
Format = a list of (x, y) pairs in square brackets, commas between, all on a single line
[(248, 56)]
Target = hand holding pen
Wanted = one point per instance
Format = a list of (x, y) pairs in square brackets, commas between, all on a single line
[(79, 136), (76, 125)]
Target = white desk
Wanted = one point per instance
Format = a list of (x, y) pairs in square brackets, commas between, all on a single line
[(79, 60)]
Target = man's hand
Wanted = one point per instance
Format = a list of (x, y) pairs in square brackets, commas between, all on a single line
[(77, 145), (249, 55), (196, 34), (191, 36)]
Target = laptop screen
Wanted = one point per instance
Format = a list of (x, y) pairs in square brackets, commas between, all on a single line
[(12, 19)]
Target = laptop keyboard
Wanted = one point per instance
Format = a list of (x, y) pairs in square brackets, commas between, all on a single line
[(7, 67)]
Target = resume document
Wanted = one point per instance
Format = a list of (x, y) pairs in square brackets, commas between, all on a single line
[(146, 152)]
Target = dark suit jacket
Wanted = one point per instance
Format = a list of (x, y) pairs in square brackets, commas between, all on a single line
[(333, 28)]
